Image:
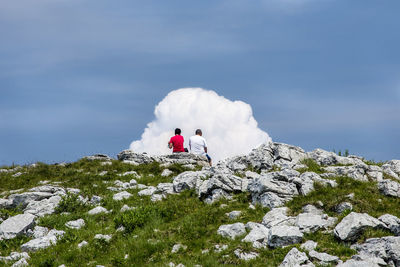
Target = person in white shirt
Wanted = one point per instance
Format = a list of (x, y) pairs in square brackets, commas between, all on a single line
[(198, 145)]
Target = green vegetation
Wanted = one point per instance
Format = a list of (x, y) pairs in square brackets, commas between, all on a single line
[(152, 229), (312, 166)]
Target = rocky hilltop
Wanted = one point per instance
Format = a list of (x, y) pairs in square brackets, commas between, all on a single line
[(277, 206)]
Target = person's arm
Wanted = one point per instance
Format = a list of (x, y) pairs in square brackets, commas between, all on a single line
[(170, 144), (205, 145), (190, 144)]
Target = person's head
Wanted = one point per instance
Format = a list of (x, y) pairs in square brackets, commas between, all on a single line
[(177, 131), (198, 132)]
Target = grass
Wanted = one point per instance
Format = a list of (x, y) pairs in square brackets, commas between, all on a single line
[(312, 166), (152, 229)]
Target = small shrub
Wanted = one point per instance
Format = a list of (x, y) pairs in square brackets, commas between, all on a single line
[(312, 166), (69, 203), (136, 218)]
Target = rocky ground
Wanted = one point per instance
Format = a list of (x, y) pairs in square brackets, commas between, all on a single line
[(276, 206)]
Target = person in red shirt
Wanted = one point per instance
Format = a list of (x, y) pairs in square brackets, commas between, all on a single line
[(176, 142)]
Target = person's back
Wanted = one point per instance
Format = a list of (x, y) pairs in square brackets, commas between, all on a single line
[(197, 144), (176, 142)]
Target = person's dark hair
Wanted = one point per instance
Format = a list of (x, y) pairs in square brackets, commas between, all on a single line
[(198, 131), (177, 131)]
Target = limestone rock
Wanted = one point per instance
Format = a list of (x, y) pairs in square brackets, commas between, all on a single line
[(122, 195), (216, 195), (312, 209), (126, 208), (326, 158), (324, 258), (357, 263), (223, 179), (83, 244), (385, 248), (98, 157), (106, 238), (136, 158), (309, 245), (97, 210), (251, 175), (389, 188), (23, 199), (43, 207), (392, 223), (77, 224), (375, 173), (148, 191), (355, 172), (5, 203), (178, 247), (294, 258), (16, 225), (157, 197), (278, 217), (14, 256), (38, 231), (284, 152), (310, 223), (258, 233), (392, 168), (95, 200), (43, 242), (189, 179), (274, 189), (166, 172), (232, 230), (233, 214), (165, 188), (343, 206), (353, 224), (20, 263), (281, 236), (306, 182)]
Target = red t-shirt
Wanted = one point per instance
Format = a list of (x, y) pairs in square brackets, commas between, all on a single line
[(177, 143)]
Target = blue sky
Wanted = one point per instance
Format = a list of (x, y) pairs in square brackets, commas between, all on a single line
[(83, 77)]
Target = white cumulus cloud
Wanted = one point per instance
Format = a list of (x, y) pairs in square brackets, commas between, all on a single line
[(228, 126)]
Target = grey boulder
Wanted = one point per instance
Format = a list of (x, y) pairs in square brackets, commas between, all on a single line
[(310, 223), (189, 180), (385, 248), (122, 195), (389, 188), (294, 258), (281, 236), (43, 207), (323, 258), (355, 172), (340, 208), (43, 242), (353, 224), (232, 230), (274, 189), (258, 234), (392, 168), (277, 217), (77, 224), (16, 225), (392, 223)]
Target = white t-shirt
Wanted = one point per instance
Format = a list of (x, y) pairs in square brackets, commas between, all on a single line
[(197, 144)]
